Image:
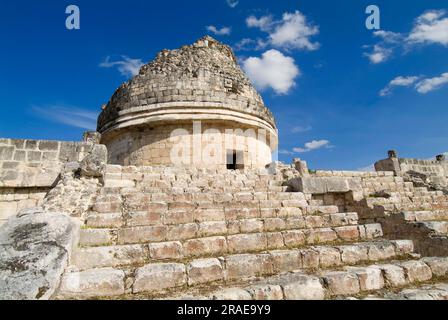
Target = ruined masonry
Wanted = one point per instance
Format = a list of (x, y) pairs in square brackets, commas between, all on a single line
[(111, 217)]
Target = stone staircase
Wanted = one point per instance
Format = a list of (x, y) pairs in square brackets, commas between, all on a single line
[(406, 211), (173, 233)]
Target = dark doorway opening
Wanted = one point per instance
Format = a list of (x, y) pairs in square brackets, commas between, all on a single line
[(234, 160)]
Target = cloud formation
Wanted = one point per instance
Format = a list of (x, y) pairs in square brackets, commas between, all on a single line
[(313, 145), (398, 82), (224, 31), (431, 84), (422, 86), (429, 28), (293, 31), (273, 70), (379, 54), (72, 116), (127, 67)]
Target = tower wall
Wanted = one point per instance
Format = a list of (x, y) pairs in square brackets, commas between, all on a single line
[(198, 144)]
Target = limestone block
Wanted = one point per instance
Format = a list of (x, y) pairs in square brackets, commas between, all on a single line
[(266, 292), (245, 266), (112, 256), (353, 254), (95, 237), (251, 225), (403, 247), (320, 236), (275, 241), (203, 215), (369, 278), (303, 287), (347, 233), (212, 228), (142, 234), (46, 145), (286, 260), (205, 246), (156, 277), (35, 247), (393, 275), (380, 251), (246, 242), (204, 270), (274, 224), (6, 153), (145, 218), (416, 271), (92, 283), (342, 283), (182, 231), (438, 265), (232, 294), (373, 230), (328, 256), (166, 250), (105, 220), (310, 258), (294, 238)]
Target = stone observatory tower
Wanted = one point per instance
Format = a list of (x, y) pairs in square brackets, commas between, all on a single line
[(192, 106)]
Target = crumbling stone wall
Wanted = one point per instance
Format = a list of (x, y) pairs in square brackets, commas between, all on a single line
[(30, 168)]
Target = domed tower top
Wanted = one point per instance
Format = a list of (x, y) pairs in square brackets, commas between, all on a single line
[(205, 73), (199, 83)]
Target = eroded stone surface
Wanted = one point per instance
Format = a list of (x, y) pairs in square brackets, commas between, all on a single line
[(34, 250)]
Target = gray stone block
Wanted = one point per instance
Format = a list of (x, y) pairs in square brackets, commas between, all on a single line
[(6, 153)]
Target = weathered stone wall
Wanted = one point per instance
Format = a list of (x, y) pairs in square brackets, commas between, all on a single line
[(12, 200), (30, 168), (153, 146), (402, 165), (428, 167)]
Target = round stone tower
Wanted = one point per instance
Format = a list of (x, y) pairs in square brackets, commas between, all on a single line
[(192, 106)]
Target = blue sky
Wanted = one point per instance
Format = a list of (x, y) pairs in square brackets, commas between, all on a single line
[(342, 95)]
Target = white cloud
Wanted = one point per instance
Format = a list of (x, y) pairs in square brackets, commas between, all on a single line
[(272, 70), (264, 23), (313, 145), (232, 3), (294, 32), (422, 86), (127, 67), (291, 32), (388, 36), (431, 27), (379, 54), (224, 31), (398, 82), (75, 117), (300, 129), (431, 84)]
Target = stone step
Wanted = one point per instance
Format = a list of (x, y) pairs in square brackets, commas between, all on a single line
[(142, 201), (439, 227), (183, 227), (438, 291), (420, 216), (349, 282), (157, 277), (153, 245)]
